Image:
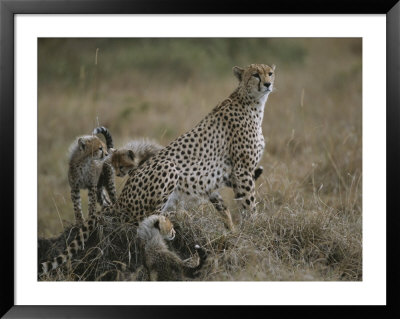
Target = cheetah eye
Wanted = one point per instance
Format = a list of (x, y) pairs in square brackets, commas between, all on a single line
[(270, 73), (120, 168), (256, 75), (100, 148)]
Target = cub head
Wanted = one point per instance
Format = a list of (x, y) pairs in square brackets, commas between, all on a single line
[(91, 145), (256, 79), (156, 227), (166, 228), (123, 161)]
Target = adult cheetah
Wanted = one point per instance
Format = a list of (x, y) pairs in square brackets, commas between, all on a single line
[(222, 149)]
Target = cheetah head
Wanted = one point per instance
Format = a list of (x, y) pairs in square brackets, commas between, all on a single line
[(256, 79), (166, 228), (92, 146), (123, 160), (156, 227)]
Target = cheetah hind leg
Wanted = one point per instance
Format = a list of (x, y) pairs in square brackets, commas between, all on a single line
[(102, 198), (192, 272), (109, 183), (92, 195), (76, 200), (218, 203)]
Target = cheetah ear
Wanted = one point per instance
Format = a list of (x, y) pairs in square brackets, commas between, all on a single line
[(238, 72), (81, 143), (131, 155), (157, 224), (273, 66)]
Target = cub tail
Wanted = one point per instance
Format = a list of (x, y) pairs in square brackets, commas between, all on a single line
[(107, 135)]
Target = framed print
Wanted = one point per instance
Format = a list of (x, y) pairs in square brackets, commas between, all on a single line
[(147, 147)]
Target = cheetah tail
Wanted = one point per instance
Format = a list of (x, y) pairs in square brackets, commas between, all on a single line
[(78, 243), (107, 135), (259, 170), (192, 272)]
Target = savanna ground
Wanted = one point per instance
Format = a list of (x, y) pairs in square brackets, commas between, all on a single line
[(308, 223)]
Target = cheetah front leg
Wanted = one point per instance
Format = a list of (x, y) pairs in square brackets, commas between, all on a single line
[(218, 203), (76, 200), (244, 189)]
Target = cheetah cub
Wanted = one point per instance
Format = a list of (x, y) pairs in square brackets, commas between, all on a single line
[(161, 263), (132, 155), (89, 168)]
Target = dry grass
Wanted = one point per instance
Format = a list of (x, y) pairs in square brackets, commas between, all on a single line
[(308, 224), (285, 246)]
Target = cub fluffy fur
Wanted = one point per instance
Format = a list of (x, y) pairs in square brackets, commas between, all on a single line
[(132, 155), (89, 168), (160, 262)]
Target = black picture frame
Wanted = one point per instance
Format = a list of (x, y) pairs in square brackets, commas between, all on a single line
[(8, 10)]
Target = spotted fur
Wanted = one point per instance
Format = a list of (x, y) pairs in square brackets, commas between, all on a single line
[(136, 152)]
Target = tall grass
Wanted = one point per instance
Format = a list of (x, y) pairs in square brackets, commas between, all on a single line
[(308, 224)]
